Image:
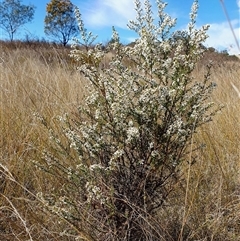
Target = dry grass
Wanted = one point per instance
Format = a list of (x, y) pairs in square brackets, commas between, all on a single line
[(41, 79), (30, 82), (213, 193)]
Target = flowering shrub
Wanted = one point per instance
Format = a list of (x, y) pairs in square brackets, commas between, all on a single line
[(131, 135)]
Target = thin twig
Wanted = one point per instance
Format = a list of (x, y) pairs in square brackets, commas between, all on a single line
[(19, 216), (236, 89), (230, 24)]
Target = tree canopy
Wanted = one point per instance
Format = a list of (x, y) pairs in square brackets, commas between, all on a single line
[(13, 15), (60, 20)]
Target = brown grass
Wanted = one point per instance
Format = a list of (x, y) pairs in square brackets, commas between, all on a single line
[(41, 78)]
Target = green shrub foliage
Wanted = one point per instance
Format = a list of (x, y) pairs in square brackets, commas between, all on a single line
[(127, 142)]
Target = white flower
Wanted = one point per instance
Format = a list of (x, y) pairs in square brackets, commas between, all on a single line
[(95, 167), (117, 154), (132, 133)]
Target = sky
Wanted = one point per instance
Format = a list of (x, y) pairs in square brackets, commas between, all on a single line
[(100, 15)]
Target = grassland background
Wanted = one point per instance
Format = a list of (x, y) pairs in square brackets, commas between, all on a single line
[(38, 77)]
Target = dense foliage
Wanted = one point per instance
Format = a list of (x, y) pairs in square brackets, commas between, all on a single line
[(60, 21), (13, 15), (123, 150)]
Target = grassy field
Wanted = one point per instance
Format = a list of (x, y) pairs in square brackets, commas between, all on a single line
[(41, 78)]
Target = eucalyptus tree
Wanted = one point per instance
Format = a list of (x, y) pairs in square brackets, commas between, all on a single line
[(60, 21), (13, 15)]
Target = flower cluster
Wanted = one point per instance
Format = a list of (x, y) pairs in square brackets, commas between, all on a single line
[(138, 119)]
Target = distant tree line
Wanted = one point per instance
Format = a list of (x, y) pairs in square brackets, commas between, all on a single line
[(59, 22)]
